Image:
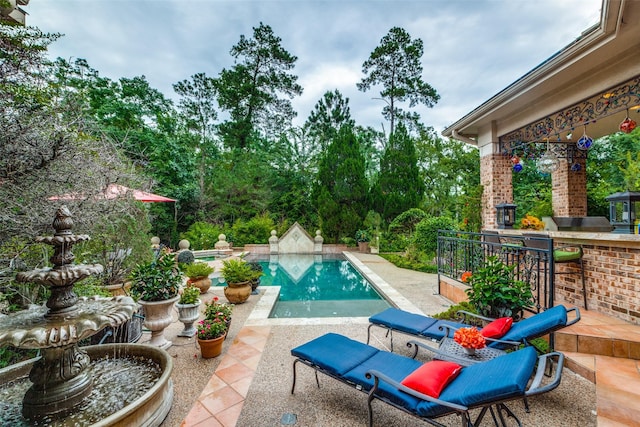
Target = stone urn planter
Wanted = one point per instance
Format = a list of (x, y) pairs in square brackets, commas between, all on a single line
[(198, 274), (118, 289), (202, 283), (237, 293), (188, 314), (238, 274), (157, 316)]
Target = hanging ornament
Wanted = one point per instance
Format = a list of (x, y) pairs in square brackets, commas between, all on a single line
[(585, 142), (517, 167), (576, 167), (548, 162), (627, 125)]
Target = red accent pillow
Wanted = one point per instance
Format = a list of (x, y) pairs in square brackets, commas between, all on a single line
[(497, 328), (432, 377)]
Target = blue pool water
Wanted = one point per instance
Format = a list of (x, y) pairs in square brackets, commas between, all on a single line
[(317, 286)]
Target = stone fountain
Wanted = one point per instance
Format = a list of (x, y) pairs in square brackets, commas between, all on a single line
[(61, 379)]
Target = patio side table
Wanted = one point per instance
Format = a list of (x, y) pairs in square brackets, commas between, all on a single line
[(453, 352)]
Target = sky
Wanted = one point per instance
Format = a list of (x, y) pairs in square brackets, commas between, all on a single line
[(472, 48)]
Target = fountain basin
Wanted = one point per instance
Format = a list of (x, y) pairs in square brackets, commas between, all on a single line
[(148, 410)]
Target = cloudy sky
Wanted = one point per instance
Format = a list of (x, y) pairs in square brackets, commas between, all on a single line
[(473, 48)]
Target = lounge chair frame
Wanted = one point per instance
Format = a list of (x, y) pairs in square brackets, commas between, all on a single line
[(497, 409)]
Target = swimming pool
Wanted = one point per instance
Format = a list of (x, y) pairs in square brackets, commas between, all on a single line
[(319, 286)]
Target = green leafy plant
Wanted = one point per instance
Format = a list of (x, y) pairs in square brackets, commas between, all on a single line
[(190, 295), (362, 236), (236, 270), (158, 280), (202, 235), (210, 329), (494, 291), (215, 310), (197, 270)]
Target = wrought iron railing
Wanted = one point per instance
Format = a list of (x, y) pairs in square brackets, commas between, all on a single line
[(459, 252)]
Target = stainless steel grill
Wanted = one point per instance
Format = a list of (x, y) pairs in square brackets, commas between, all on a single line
[(594, 224)]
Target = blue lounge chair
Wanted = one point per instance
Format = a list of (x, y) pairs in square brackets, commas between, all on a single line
[(379, 373), (540, 324)]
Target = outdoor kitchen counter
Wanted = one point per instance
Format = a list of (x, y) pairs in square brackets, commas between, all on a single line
[(618, 240)]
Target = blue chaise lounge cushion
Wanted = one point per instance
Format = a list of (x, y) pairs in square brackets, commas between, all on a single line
[(334, 353), (402, 320), (536, 325), (500, 378)]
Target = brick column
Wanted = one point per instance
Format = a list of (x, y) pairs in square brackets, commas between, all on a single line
[(569, 189), (495, 177)]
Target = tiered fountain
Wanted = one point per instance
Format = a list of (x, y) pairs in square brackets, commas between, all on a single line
[(61, 380)]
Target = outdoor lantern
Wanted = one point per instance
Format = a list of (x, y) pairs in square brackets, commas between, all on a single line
[(506, 215), (623, 212)]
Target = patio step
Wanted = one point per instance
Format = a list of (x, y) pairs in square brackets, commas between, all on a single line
[(600, 334), (606, 351)]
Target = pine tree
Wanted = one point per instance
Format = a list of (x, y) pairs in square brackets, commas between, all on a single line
[(341, 188), (399, 187)]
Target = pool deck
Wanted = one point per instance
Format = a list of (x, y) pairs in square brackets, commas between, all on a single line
[(255, 367)]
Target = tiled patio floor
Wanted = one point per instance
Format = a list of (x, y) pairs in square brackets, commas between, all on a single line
[(222, 399)]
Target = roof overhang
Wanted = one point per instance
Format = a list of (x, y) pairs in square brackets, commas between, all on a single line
[(603, 57)]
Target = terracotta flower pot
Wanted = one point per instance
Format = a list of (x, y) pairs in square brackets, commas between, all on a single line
[(237, 293), (157, 316), (211, 348)]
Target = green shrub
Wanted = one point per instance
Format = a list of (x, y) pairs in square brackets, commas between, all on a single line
[(494, 291), (197, 269), (452, 312), (406, 222), (190, 295), (159, 280), (425, 238), (410, 264), (202, 235), (256, 230), (89, 287)]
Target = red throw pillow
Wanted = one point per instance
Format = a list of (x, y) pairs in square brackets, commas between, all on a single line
[(432, 377), (497, 328)]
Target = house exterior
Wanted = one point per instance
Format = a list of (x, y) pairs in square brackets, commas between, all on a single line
[(589, 87)]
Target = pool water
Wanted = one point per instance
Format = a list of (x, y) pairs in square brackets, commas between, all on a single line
[(317, 286)]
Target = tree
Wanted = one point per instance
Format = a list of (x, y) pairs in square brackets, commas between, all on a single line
[(47, 149), (197, 105), (400, 187), (450, 170), (341, 187), (328, 116), (395, 65), (251, 91)]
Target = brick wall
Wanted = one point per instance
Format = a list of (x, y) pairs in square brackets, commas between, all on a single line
[(612, 278), (569, 188), (495, 177)]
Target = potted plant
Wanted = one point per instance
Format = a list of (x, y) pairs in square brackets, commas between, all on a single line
[(494, 291), (255, 282), (215, 310), (155, 286), (188, 310), (363, 238), (238, 275), (210, 335), (198, 275)]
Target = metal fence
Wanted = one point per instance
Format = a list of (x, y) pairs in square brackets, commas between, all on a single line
[(459, 252)]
